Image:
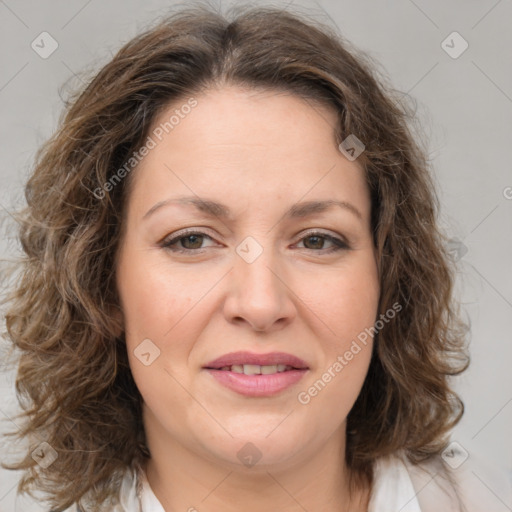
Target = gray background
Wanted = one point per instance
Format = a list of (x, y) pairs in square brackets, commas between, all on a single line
[(464, 104)]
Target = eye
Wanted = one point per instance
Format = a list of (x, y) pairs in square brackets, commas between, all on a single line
[(315, 241), (188, 241)]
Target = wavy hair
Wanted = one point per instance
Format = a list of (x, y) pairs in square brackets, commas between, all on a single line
[(73, 378)]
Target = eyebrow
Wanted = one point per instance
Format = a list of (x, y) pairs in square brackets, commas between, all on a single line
[(216, 209)]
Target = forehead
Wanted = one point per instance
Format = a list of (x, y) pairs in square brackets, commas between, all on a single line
[(240, 144), (247, 116)]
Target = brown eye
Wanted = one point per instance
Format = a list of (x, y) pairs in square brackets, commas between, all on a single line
[(317, 241), (186, 242), (191, 241)]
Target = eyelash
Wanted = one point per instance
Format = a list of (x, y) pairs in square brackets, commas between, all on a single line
[(338, 244)]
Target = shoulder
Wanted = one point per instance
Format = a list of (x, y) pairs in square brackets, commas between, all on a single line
[(459, 481)]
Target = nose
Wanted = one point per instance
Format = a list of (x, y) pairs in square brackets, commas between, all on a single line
[(260, 294)]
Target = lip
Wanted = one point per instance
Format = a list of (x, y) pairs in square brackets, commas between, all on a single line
[(244, 357), (257, 385)]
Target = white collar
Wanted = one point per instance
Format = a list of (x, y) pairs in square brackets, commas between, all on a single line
[(392, 488)]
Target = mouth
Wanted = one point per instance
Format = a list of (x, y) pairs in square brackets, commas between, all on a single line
[(256, 369), (257, 375)]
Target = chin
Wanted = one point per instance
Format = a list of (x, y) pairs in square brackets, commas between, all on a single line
[(258, 450)]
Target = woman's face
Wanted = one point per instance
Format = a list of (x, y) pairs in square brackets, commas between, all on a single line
[(260, 275)]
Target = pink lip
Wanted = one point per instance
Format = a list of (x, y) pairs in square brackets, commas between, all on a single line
[(243, 357), (257, 385)]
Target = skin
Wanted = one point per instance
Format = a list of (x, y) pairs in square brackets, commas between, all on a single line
[(258, 152)]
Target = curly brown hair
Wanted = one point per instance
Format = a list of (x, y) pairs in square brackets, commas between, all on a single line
[(73, 378)]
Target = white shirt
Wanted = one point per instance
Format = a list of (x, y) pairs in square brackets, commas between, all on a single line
[(398, 486)]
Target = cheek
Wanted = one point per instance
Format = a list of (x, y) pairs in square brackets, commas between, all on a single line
[(161, 303), (154, 299), (156, 311), (344, 300), (152, 305), (345, 304)]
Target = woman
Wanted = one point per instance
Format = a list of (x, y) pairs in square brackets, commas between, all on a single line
[(235, 293)]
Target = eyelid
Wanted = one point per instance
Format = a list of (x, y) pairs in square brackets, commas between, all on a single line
[(319, 231), (176, 236)]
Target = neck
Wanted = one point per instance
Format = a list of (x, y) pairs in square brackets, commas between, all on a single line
[(185, 480)]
